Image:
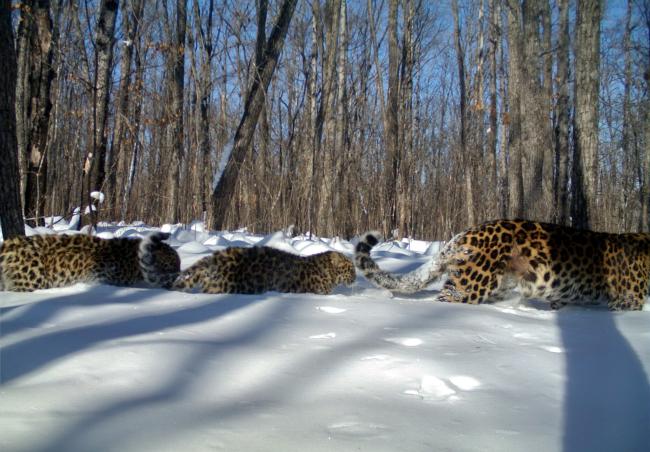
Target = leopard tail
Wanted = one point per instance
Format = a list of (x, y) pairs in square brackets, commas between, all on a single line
[(411, 282), (148, 265)]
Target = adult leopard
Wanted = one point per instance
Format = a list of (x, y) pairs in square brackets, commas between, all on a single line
[(557, 263)]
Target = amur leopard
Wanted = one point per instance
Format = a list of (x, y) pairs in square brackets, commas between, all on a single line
[(256, 270), (547, 261), (47, 261)]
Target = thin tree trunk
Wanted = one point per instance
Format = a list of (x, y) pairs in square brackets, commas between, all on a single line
[(10, 207), (391, 134), (119, 156), (224, 189), (94, 167), (627, 135), (312, 151), (325, 119), (495, 12), (341, 111), (516, 204), (645, 208), (645, 189), (176, 130), (130, 170), (466, 158), (504, 172), (562, 125), (404, 186), (204, 87)]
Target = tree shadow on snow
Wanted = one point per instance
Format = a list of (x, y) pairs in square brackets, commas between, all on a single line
[(293, 380), (29, 355), (37, 313), (91, 430), (607, 395)]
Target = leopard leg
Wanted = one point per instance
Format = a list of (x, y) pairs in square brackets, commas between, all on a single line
[(626, 303), (557, 304), (457, 290)]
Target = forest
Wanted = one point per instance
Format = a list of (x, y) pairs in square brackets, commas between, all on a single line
[(412, 117)]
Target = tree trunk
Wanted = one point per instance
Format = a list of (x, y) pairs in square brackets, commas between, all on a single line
[(175, 134), (406, 121), (326, 121), (341, 123), (312, 151), (224, 189), (537, 154), (645, 114), (504, 163), (391, 134), (120, 155), (562, 118), (35, 75), (466, 157), (130, 165), (494, 38), (204, 87), (586, 112), (10, 209), (515, 40), (94, 167)]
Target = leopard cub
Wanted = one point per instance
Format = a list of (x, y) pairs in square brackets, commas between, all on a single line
[(47, 261), (260, 269)]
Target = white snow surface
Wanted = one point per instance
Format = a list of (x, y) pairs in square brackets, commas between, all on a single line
[(102, 368)]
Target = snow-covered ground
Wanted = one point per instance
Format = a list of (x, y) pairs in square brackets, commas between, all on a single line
[(101, 368)]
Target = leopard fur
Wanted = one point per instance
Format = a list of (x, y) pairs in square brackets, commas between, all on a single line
[(560, 264), (47, 261), (256, 270)]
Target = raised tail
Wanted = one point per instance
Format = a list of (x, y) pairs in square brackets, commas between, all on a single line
[(159, 263), (411, 282)]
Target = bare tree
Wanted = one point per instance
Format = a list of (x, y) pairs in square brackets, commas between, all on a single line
[(516, 55), (465, 152), (223, 191), (493, 131), (586, 112), (175, 129), (33, 105), (562, 109), (204, 88), (119, 153), (537, 154), (94, 166), (10, 209), (645, 115)]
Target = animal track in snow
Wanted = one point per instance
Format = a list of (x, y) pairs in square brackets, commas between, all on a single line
[(434, 388), (464, 382), (405, 341), (356, 429), (331, 309), (330, 335), (552, 349), (375, 358)]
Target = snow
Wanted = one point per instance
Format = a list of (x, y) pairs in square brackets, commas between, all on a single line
[(223, 161), (101, 368), (98, 196)]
